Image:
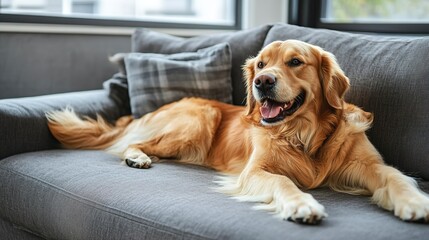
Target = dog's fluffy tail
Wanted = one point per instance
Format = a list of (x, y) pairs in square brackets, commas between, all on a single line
[(77, 133)]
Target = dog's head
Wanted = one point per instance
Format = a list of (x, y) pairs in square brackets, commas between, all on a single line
[(289, 78)]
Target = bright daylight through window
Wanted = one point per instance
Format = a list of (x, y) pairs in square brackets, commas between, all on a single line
[(375, 11), (214, 12)]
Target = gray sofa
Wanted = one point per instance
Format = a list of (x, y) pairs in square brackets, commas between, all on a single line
[(50, 193)]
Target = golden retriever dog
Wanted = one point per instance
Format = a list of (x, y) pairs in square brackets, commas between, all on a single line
[(295, 133)]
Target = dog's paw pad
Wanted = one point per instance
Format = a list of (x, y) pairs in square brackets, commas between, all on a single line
[(413, 210), (305, 211), (312, 220), (420, 220), (139, 162)]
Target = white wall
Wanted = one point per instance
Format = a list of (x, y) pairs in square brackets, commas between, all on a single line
[(257, 12)]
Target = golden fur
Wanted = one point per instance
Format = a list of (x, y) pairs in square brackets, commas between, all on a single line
[(268, 155)]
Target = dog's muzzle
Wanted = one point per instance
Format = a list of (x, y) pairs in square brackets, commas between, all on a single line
[(265, 84), (273, 110)]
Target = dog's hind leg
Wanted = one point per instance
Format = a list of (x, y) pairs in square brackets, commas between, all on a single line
[(134, 157), (186, 137)]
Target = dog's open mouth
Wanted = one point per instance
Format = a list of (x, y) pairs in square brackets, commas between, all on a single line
[(273, 111)]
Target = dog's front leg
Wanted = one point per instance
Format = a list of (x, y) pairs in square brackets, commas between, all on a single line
[(278, 193), (394, 191), (281, 196), (390, 189)]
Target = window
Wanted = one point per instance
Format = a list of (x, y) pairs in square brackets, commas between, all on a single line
[(367, 11), (221, 14), (85, 7), (383, 16)]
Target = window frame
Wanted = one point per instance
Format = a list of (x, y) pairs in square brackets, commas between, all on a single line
[(118, 22), (308, 13)]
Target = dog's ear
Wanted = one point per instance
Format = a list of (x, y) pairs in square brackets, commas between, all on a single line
[(249, 74), (333, 80)]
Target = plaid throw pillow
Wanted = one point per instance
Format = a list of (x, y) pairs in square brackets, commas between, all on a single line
[(157, 79)]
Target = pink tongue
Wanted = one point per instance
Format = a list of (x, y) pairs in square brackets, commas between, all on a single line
[(270, 109)]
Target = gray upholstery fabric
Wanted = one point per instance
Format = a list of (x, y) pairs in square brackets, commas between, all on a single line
[(389, 77), (34, 64), (66, 194), (157, 79), (9, 231), (23, 123), (243, 45), (117, 87)]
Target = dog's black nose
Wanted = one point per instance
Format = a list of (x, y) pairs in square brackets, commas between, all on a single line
[(265, 82)]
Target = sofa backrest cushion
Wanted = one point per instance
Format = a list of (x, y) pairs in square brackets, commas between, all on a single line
[(389, 77), (243, 44)]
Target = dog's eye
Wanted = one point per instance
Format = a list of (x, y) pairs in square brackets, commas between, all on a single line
[(261, 65), (294, 62)]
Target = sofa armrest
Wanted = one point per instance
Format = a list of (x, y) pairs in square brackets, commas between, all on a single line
[(23, 123)]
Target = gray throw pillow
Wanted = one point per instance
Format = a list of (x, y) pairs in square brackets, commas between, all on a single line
[(158, 79), (117, 87), (244, 44)]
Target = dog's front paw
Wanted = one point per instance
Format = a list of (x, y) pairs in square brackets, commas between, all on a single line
[(413, 208), (138, 161), (303, 209)]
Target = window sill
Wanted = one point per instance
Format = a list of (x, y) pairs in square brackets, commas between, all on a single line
[(96, 30)]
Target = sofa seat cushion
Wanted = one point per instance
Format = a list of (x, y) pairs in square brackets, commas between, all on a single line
[(75, 194)]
